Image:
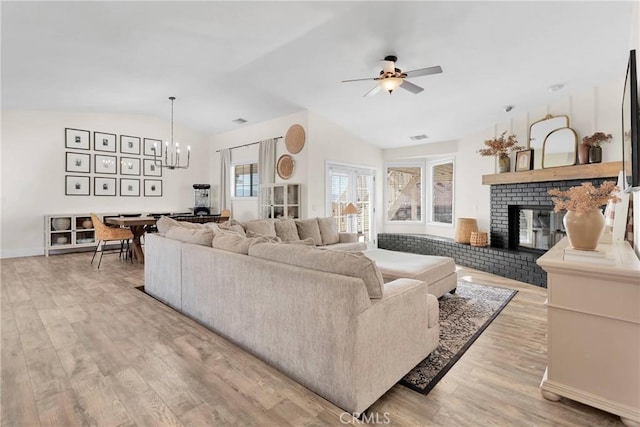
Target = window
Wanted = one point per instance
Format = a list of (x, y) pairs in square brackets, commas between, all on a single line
[(404, 192), (351, 184), (441, 191), (245, 180)]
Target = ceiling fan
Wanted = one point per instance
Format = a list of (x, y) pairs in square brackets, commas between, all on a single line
[(391, 78)]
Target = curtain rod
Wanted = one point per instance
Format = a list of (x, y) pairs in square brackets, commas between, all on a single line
[(246, 145)]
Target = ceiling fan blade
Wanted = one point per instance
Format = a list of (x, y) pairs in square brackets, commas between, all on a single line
[(358, 80), (424, 71), (388, 66), (373, 91), (411, 87)]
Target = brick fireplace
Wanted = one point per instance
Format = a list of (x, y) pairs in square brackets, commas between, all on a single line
[(509, 193)]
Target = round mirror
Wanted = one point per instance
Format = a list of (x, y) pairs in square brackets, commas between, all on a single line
[(560, 148), (539, 130)]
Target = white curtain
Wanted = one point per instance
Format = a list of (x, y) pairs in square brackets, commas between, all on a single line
[(225, 179), (266, 165)]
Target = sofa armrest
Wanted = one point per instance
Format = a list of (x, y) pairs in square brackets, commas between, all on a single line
[(348, 237), (394, 336)]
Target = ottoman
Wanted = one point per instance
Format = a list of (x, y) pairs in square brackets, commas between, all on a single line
[(438, 272)]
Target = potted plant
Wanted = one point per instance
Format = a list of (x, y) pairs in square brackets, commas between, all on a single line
[(584, 222), (501, 147), (594, 142)]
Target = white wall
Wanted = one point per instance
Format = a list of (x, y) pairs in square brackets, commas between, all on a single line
[(33, 172), (325, 142), (244, 209), (594, 110)]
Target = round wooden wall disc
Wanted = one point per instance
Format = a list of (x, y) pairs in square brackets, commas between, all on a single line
[(285, 166), (295, 139)]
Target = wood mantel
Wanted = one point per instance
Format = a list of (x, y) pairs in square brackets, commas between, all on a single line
[(594, 170)]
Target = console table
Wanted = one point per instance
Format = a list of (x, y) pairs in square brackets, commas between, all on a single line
[(593, 321)]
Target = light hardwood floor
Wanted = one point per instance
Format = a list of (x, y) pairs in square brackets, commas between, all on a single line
[(81, 346)]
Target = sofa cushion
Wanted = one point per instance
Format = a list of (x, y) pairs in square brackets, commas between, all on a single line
[(261, 226), (352, 264), (233, 242), (307, 242), (328, 231), (286, 230), (274, 239), (164, 223), (232, 226), (198, 236), (308, 228)]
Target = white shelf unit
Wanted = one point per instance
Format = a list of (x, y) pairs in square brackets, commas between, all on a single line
[(68, 231), (280, 201)]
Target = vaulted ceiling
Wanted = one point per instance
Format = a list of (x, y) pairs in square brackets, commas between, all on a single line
[(262, 60)]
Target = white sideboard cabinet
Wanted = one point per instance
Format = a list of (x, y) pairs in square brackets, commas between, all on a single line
[(68, 231), (593, 313)]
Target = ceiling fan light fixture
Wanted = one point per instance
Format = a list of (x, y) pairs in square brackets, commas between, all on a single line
[(390, 83)]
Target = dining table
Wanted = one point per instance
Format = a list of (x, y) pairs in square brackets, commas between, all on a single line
[(137, 225)]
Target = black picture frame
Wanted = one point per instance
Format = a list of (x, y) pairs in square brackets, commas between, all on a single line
[(524, 160), (152, 188), (75, 185), (77, 139), (103, 141), (78, 162), (129, 144), (129, 166), (148, 146), (104, 186), (630, 123), (105, 164), (150, 168), (129, 187)]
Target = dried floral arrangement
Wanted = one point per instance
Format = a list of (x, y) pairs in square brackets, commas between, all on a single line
[(597, 139), (583, 198), (501, 145)]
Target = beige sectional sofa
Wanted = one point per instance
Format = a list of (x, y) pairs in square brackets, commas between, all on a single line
[(324, 318)]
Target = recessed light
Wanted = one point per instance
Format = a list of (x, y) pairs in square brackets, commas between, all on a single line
[(418, 137), (556, 87), (239, 121)]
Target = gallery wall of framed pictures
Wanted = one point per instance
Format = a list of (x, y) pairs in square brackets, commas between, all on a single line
[(110, 165)]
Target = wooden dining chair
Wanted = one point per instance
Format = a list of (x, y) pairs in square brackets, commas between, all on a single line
[(106, 234)]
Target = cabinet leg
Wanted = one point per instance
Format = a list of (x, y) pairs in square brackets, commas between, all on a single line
[(550, 395), (629, 423)]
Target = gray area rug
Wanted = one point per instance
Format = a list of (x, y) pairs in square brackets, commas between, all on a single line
[(463, 317)]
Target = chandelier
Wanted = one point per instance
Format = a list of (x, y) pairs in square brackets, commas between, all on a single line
[(171, 158)]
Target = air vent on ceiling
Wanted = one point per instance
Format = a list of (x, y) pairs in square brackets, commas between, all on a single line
[(239, 121), (418, 137)]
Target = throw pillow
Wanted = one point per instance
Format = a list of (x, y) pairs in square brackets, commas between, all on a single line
[(308, 228), (199, 236), (235, 243), (286, 230), (328, 231), (213, 227), (274, 239), (164, 223), (261, 226), (237, 228)]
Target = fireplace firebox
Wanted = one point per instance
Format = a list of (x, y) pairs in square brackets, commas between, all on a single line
[(534, 228)]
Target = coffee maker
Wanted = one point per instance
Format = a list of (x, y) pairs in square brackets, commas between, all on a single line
[(202, 199)]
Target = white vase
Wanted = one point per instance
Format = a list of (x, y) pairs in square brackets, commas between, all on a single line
[(59, 224)]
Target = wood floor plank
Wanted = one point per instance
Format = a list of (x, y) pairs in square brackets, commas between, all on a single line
[(81, 346)]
